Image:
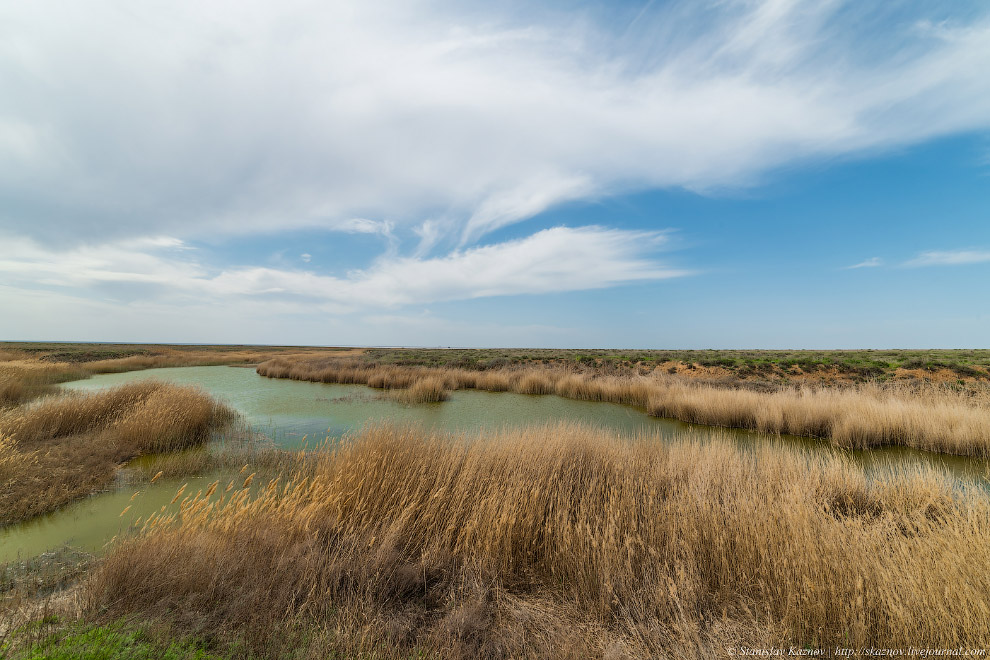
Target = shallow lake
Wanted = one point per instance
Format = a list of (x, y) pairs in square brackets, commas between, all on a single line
[(290, 411)]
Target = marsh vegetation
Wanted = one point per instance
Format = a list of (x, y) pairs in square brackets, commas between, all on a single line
[(541, 541), (561, 542), (754, 367), (925, 416), (64, 447)]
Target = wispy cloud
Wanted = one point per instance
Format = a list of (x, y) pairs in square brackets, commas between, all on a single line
[(950, 258), (553, 260), (191, 122), (550, 261), (163, 261), (872, 262), (363, 226)]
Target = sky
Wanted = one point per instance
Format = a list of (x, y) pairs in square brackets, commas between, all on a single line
[(658, 174)]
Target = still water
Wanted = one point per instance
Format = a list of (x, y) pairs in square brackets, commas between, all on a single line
[(289, 411)]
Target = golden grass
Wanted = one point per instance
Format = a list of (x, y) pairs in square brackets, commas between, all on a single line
[(431, 389), (13, 463), (61, 448), (23, 380), (564, 542), (871, 415), (173, 358)]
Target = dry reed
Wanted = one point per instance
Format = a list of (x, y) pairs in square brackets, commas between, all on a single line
[(870, 415), (61, 448), (173, 359), (21, 381), (565, 542), (424, 390)]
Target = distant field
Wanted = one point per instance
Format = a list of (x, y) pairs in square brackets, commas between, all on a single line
[(744, 364), (964, 363), (92, 352), (754, 366)]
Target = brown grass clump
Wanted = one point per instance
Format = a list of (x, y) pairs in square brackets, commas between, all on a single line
[(21, 381), (564, 542), (425, 390), (865, 417), (171, 359), (66, 447), (13, 463), (12, 392), (868, 415)]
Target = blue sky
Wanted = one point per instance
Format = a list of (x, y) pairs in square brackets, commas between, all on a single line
[(744, 174)]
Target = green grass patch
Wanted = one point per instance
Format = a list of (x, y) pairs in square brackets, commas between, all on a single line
[(114, 642)]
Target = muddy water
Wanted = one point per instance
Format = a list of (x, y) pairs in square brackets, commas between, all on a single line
[(290, 411)]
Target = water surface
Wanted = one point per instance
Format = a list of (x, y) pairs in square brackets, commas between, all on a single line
[(289, 409)]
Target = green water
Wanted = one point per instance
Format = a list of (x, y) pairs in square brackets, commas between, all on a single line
[(90, 523), (290, 411)]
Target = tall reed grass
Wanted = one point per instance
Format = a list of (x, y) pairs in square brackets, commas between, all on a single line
[(425, 390), (563, 542), (21, 381), (864, 416), (63, 447), (185, 358), (13, 463)]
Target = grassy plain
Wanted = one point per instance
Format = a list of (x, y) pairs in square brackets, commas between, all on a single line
[(727, 366)]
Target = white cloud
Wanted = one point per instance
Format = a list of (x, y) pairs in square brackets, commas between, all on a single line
[(429, 232), (553, 260), (524, 201), (195, 119), (41, 316), (306, 257), (364, 226), (950, 258), (156, 260), (872, 262)]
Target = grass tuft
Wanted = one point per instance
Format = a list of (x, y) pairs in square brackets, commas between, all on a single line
[(431, 389)]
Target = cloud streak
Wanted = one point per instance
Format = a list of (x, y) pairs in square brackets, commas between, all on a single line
[(551, 261), (949, 258), (872, 262)]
